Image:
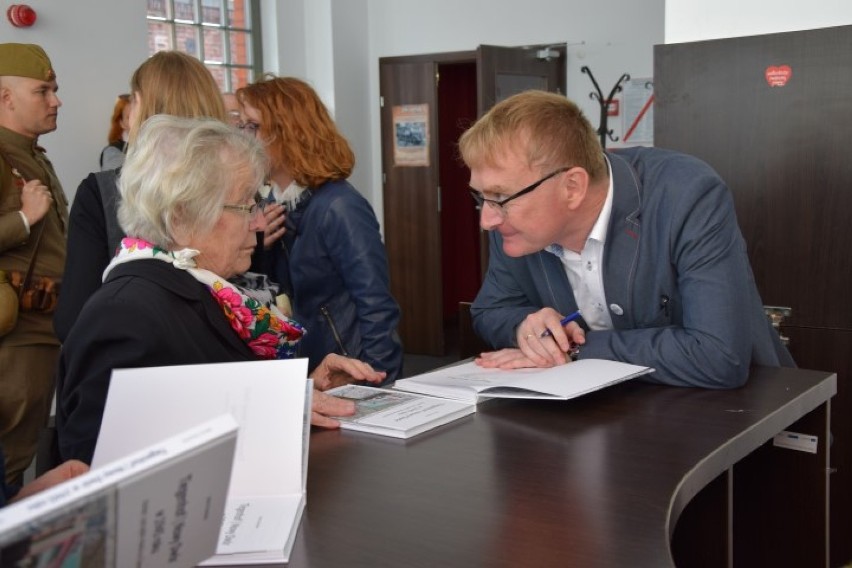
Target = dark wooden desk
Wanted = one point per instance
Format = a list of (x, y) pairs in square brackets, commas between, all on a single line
[(600, 481)]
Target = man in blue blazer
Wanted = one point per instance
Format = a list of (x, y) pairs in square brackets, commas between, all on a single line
[(643, 242)]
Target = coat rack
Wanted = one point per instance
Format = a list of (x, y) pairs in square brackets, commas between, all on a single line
[(603, 131)]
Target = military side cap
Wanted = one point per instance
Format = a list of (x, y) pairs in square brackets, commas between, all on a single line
[(25, 60)]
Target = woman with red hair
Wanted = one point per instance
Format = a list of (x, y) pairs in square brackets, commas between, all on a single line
[(322, 243), (112, 156)]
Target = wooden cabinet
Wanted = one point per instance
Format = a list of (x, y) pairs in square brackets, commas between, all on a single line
[(770, 114)]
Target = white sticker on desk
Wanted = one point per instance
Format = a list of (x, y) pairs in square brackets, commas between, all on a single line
[(796, 441)]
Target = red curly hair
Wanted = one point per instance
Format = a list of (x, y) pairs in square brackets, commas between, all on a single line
[(298, 131), (115, 129)]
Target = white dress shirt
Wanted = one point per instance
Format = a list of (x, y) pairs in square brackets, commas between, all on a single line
[(585, 269)]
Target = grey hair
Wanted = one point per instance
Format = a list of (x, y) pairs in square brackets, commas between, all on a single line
[(178, 174)]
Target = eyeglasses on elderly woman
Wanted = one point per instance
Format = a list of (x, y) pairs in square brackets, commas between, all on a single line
[(254, 210)]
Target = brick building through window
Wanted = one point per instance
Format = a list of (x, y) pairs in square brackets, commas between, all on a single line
[(221, 33)]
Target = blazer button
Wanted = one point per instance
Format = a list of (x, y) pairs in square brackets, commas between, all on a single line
[(616, 309)]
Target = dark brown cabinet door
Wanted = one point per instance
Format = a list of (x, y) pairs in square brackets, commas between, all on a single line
[(771, 114)]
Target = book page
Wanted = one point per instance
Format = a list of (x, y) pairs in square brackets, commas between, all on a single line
[(250, 524), (169, 519), (564, 381), (266, 398)]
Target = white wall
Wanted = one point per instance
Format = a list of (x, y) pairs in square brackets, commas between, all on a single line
[(687, 20), (94, 47), (610, 37), (352, 64), (335, 45), (297, 42)]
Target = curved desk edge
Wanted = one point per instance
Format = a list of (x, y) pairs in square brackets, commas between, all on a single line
[(744, 443)]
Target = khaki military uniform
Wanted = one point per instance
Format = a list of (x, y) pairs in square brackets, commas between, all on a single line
[(28, 354)]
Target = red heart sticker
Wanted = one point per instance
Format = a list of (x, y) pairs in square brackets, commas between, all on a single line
[(777, 76)]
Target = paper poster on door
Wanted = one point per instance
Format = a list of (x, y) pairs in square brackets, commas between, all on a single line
[(411, 135), (638, 113)]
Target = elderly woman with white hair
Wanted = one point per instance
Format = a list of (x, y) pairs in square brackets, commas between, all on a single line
[(188, 191)]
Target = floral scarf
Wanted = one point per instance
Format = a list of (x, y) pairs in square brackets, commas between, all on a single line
[(268, 332)]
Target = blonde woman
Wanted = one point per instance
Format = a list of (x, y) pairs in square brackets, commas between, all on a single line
[(170, 82)]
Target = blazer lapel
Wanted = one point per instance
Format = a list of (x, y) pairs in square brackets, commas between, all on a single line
[(622, 241), (553, 285)]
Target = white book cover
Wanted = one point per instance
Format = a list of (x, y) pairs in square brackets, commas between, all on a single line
[(270, 400), (397, 414), (158, 507), (472, 383)]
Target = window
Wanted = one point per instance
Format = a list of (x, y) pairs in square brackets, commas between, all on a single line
[(220, 33)]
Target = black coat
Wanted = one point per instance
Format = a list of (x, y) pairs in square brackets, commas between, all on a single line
[(146, 314)]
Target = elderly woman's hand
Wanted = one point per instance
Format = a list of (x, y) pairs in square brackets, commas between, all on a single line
[(337, 370), (324, 406), (334, 371), (63, 472)]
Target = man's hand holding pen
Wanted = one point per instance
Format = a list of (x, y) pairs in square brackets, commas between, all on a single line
[(545, 339)]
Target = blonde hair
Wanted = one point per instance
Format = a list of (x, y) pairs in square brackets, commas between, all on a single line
[(178, 174), (298, 130), (547, 130), (172, 82)]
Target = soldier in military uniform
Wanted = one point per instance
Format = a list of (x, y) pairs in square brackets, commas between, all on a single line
[(33, 219)]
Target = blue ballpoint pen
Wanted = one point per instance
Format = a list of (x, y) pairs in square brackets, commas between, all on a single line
[(563, 322)]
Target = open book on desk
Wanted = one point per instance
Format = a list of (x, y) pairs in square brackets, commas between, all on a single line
[(159, 506), (397, 414), (270, 400), (471, 383)]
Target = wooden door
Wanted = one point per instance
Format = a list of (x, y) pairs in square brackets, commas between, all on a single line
[(506, 71), (412, 220), (411, 201), (769, 113)]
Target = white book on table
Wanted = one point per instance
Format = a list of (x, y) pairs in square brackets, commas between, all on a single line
[(270, 400), (157, 507), (471, 383), (387, 412)]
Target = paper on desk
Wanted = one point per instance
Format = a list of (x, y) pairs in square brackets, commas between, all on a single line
[(471, 382)]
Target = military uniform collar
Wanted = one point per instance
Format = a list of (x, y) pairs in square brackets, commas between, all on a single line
[(17, 140)]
